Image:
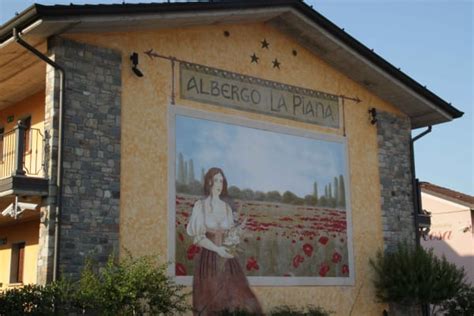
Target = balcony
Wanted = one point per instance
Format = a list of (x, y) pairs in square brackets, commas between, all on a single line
[(22, 166)]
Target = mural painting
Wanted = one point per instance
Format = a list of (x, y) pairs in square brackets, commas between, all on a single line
[(258, 205)]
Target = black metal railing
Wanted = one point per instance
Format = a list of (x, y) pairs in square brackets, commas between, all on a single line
[(22, 152)]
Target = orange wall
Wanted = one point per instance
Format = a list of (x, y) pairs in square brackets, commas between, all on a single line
[(23, 232), (31, 106)]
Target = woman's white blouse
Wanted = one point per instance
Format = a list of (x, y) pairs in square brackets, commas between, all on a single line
[(203, 219)]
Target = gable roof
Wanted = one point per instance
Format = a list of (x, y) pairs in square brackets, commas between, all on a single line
[(448, 194), (292, 17)]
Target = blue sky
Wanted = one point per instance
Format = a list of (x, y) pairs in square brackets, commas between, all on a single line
[(257, 159), (431, 41)]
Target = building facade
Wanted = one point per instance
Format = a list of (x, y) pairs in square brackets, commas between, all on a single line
[(450, 234), (311, 129)]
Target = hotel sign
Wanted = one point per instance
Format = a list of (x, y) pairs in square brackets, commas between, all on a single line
[(224, 88)]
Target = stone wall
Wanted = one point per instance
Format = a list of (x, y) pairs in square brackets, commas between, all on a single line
[(393, 133), (89, 216), (393, 137)]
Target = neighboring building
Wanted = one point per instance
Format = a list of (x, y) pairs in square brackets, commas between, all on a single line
[(311, 128), (451, 234)]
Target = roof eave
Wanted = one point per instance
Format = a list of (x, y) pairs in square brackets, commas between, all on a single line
[(49, 14)]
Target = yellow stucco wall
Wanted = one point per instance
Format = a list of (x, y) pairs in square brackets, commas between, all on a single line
[(26, 232), (144, 156), (32, 106)]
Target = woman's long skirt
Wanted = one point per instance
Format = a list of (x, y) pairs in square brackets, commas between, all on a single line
[(220, 284)]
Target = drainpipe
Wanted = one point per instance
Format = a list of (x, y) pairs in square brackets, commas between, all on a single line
[(59, 171), (416, 195), (417, 200)]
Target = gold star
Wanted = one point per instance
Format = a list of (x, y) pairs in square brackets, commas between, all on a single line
[(254, 58), (276, 63)]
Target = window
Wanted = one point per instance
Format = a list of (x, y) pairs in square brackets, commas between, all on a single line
[(17, 263)]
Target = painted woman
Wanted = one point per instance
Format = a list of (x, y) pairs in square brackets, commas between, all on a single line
[(219, 282)]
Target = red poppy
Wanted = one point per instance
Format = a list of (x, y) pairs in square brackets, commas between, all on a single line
[(293, 241), (336, 257), (297, 260), (180, 236), (252, 264), (180, 269), (324, 269), (308, 250), (258, 237), (323, 240), (345, 269), (192, 251)]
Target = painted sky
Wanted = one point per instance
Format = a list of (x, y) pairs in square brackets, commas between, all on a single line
[(258, 159)]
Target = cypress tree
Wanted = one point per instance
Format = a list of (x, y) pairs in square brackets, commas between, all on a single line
[(342, 191), (185, 176), (180, 168), (315, 193), (191, 178)]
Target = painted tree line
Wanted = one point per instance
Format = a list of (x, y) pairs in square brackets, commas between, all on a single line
[(334, 193), (186, 181)]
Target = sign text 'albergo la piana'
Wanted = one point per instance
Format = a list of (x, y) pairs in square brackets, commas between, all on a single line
[(220, 87)]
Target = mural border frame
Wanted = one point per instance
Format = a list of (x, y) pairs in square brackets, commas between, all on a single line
[(173, 111)]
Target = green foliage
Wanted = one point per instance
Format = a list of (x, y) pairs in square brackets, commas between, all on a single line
[(292, 311), (342, 192), (329, 199), (412, 276), (18, 301), (283, 311), (460, 305), (194, 187), (310, 200), (35, 299), (273, 196), (129, 287), (291, 198), (235, 313)]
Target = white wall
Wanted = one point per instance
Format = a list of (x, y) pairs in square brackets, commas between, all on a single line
[(451, 232)]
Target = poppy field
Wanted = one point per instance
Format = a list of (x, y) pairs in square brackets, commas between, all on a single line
[(278, 239)]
